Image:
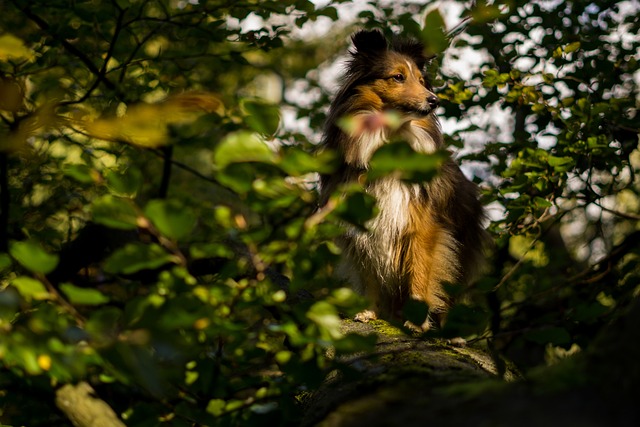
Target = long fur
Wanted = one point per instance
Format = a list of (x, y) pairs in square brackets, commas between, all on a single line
[(425, 235)]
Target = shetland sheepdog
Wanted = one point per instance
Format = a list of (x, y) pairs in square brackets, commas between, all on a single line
[(425, 235)]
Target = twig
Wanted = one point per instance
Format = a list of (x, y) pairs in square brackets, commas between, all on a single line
[(167, 155)]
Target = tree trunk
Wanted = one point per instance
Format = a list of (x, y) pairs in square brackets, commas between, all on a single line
[(412, 382)]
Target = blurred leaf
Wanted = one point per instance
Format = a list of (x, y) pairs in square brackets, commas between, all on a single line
[(356, 208), (104, 324), (465, 320), (297, 162), (32, 257), (30, 288), (261, 116), (415, 311), (326, 316), (83, 296), (483, 12), (5, 261), (81, 173), (115, 212), (434, 33), (210, 250), (171, 217), (400, 157), (137, 256), (12, 48), (124, 183), (146, 125), (240, 147)]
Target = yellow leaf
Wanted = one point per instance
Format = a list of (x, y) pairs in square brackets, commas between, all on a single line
[(12, 47), (147, 124)]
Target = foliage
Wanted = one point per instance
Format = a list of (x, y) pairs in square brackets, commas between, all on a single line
[(154, 243)]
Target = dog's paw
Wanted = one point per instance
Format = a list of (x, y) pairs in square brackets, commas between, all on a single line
[(365, 316)]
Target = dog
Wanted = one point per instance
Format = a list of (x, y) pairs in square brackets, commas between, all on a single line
[(425, 235)]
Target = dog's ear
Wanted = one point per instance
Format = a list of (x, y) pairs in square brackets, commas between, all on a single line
[(413, 49), (369, 42)]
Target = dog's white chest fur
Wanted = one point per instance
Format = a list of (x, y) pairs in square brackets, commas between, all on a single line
[(393, 197)]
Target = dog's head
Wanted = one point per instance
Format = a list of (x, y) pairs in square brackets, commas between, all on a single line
[(390, 75)]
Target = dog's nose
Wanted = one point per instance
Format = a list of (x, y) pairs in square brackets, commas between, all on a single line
[(433, 101)]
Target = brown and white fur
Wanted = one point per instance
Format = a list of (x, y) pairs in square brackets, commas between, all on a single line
[(425, 235)]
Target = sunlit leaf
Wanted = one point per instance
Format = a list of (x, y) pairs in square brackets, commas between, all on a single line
[(83, 296), (147, 124), (171, 217), (572, 47), (33, 257), (326, 316), (137, 256), (115, 212), (30, 288), (12, 48)]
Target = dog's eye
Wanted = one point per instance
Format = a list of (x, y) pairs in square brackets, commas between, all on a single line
[(398, 77)]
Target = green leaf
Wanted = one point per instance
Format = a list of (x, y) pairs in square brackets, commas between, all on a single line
[(5, 261), (296, 162), (210, 250), (357, 208), (137, 256), (104, 324), (560, 163), (572, 47), (124, 183), (240, 147), (83, 296), (171, 217), (115, 212), (326, 316), (261, 116), (434, 33), (81, 173), (216, 407), (32, 257), (400, 157), (30, 288)]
